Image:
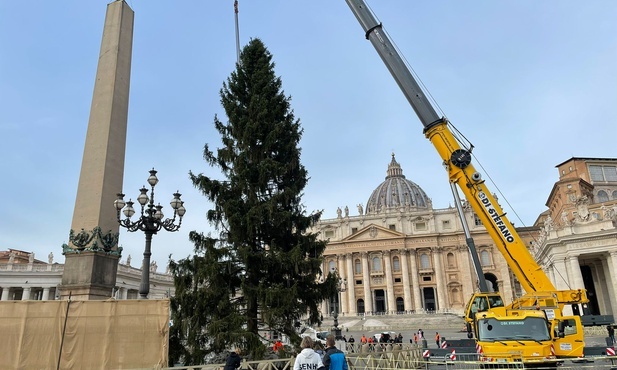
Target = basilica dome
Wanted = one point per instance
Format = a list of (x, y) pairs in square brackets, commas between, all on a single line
[(397, 193)]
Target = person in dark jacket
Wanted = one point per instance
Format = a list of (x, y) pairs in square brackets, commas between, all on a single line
[(334, 359), (233, 360)]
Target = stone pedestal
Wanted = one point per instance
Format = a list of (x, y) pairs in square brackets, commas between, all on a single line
[(89, 276)]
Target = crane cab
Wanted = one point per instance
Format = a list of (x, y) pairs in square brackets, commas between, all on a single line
[(480, 302)]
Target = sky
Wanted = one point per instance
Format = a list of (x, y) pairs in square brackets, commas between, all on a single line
[(530, 83)]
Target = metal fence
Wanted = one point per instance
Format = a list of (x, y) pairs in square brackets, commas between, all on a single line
[(413, 359)]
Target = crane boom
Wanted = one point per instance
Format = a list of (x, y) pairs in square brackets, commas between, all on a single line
[(458, 163), (395, 64), (486, 314)]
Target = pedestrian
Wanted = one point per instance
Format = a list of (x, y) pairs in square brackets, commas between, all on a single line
[(363, 339), (318, 347), (308, 359), (437, 339), (352, 341), (611, 333), (415, 338), (277, 346), (334, 359), (233, 360)]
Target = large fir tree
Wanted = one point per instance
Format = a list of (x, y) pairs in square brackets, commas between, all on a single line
[(263, 269)]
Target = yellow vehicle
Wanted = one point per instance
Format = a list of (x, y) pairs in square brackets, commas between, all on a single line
[(543, 335)]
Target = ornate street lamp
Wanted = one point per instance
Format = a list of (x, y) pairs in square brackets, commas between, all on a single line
[(150, 222), (341, 288)]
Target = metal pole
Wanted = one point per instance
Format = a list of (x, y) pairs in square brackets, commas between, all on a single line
[(66, 318), (470, 243), (237, 32), (144, 287)]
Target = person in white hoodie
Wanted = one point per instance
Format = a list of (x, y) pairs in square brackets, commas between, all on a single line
[(308, 359)]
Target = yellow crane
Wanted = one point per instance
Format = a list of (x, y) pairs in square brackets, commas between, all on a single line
[(532, 329)]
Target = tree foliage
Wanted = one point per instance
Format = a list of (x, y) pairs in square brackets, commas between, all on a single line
[(263, 269)]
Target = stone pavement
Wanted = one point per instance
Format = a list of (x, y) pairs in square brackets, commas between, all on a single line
[(399, 322), (448, 325)]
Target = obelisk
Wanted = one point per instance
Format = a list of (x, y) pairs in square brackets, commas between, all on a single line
[(92, 253)]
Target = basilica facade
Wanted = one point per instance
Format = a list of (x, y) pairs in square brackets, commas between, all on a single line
[(577, 243), (401, 255)]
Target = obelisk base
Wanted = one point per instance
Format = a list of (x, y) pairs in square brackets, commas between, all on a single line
[(89, 276)]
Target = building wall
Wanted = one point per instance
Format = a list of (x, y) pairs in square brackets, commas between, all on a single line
[(24, 278), (407, 261), (577, 245)]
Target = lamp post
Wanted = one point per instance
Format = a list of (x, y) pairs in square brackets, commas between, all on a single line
[(150, 222), (341, 288)]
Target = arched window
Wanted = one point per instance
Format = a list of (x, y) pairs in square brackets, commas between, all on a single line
[(331, 266), (358, 267), (614, 194), (425, 263), (376, 264), (602, 196), (451, 260), (485, 258), (396, 264)]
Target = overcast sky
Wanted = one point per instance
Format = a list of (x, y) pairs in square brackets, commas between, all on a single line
[(530, 83)]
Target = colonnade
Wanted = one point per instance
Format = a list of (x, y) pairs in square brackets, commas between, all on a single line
[(29, 293), (411, 279)]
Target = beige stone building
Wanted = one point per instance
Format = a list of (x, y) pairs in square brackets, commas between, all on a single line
[(577, 246), (399, 254), (23, 277)]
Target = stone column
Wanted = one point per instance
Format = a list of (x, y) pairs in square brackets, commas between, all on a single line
[(551, 273), (505, 284), (601, 281), (415, 283), (124, 293), (575, 273), (560, 279), (404, 255), (5, 293), (343, 309), (351, 283), (441, 296), (612, 274), (325, 302), (389, 283), (45, 294), (25, 296), (469, 275), (366, 278)]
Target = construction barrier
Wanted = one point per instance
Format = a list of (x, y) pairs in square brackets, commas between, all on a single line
[(122, 334), (407, 360)]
